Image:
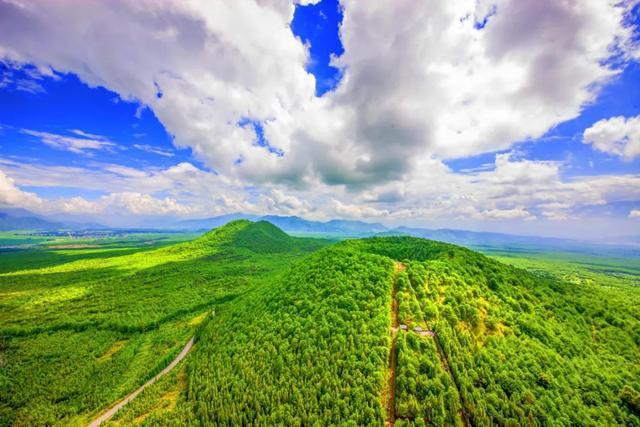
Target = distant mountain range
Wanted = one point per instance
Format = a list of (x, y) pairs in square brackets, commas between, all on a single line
[(8, 222), (292, 224), (353, 229), (21, 219)]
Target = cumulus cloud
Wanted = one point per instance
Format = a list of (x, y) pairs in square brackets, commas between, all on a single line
[(204, 67), (421, 83), (201, 66), (279, 202), (516, 213), (130, 202), (141, 204), (619, 136), (10, 194), (350, 210), (555, 215), (634, 213), (511, 189), (468, 90)]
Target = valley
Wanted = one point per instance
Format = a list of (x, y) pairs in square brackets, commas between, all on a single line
[(298, 331)]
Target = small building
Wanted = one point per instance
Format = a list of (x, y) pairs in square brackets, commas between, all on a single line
[(424, 332), (404, 327)]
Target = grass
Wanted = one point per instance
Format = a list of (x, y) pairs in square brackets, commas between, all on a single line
[(577, 268)]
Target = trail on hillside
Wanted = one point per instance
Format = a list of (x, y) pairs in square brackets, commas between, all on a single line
[(391, 385), (444, 361), (111, 412)]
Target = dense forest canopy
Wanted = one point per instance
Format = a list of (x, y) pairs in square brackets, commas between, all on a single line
[(294, 331)]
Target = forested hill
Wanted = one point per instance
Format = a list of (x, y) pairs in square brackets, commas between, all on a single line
[(495, 345), (288, 331), (81, 328)]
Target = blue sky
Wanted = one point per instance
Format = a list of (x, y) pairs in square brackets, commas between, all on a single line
[(318, 25), (621, 97), (65, 103), (286, 129)]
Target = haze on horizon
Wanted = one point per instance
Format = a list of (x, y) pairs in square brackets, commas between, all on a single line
[(512, 116)]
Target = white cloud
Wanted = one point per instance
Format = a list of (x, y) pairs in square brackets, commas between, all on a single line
[(618, 135), (515, 213), (421, 84), (78, 145), (503, 193), (201, 66), (279, 202), (88, 135), (141, 204), (426, 83), (31, 83), (634, 213), (555, 215), (511, 189), (10, 194), (115, 203), (154, 150), (348, 210)]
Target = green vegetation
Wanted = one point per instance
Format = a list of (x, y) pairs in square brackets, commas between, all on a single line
[(106, 239), (78, 335), (610, 270), (309, 349), (523, 349), (302, 334)]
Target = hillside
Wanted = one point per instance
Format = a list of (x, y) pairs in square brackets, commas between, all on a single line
[(290, 224), (521, 349), (79, 334), (306, 333), (10, 222), (15, 219), (500, 346), (486, 242)]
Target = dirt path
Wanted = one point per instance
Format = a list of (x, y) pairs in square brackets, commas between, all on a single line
[(111, 412), (391, 385), (444, 361)]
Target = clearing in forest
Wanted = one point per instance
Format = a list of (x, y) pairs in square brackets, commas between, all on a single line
[(390, 391), (445, 365)]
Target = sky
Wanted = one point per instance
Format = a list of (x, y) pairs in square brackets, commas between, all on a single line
[(512, 116)]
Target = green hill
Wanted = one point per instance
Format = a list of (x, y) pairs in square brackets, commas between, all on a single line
[(78, 335), (306, 333), (521, 349), (264, 237)]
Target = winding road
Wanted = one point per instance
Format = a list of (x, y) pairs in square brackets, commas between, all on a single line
[(111, 412)]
